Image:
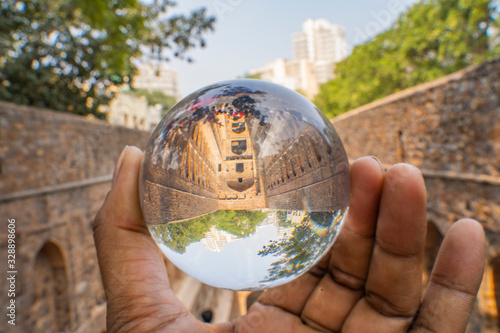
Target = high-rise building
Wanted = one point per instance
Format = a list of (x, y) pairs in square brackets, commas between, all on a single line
[(316, 50), (323, 44), (319, 41)]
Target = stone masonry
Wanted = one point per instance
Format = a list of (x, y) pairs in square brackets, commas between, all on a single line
[(55, 170), (450, 129)]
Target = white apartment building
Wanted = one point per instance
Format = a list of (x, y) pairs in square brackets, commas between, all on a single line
[(215, 239), (133, 112), (320, 41), (157, 77), (298, 75), (316, 50), (323, 44)]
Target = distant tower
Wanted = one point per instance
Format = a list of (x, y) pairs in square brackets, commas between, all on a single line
[(323, 44), (316, 50)]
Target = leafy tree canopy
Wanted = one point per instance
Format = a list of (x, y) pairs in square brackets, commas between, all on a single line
[(432, 39), (64, 54), (155, 97), (239, 223)]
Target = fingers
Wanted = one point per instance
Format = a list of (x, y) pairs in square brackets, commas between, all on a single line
[(455, 280), (351, 253), (393, 284), (266, 318), (292, 296), (132, 268)]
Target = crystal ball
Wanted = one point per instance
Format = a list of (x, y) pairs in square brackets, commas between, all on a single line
[(245, 185)]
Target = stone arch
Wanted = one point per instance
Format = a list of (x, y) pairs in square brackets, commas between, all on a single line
[(50, 294), (432, 244)]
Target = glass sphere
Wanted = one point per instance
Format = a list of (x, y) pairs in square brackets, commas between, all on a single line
[(245, 185)]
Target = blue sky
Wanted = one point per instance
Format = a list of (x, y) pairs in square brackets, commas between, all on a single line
[(250, 33)]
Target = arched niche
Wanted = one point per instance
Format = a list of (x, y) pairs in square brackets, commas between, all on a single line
[(50, 307)]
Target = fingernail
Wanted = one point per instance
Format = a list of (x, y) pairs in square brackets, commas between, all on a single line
[(119, 164), (376, 159), (379, 163)]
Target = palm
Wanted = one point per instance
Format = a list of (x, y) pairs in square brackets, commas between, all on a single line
[(369, 282)]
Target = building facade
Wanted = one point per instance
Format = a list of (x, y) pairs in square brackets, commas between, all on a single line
[(316, 50), (157, 77), (298, 75), (133, 112), (56, 170), (320, 41)]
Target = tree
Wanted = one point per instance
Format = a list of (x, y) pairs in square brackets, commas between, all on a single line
[(239, 223), (65, 54), (432, 39), (314, 234), (155, 97), (179, 235)]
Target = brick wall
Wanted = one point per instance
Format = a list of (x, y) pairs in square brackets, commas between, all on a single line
[(55, 171), (54, 174), (39, 148), (450, 129)]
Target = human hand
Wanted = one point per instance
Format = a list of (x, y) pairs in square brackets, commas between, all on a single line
[(370, 282)]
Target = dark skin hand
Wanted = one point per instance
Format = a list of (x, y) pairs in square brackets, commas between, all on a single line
[(371, 281)]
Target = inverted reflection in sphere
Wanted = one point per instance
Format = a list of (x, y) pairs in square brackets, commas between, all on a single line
[(245, 185)]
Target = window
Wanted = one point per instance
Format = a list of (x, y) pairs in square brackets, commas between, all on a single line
[(238, 147), (238, 127), (240, 167)]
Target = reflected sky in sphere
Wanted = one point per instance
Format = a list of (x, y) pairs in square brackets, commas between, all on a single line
[(287, 240), (245, 185)]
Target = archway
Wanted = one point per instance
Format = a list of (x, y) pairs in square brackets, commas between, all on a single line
[(50, 307)]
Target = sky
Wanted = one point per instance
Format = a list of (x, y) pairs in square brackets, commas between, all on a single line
[(223, 269), (250, 33)]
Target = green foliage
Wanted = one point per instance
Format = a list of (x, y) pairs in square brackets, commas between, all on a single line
[(155, 97), (295, 252), (65, 54), (178, 236), (314, 234), (432, 39), (252, 76), (239, 223)]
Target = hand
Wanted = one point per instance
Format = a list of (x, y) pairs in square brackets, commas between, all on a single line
[(370, 282)]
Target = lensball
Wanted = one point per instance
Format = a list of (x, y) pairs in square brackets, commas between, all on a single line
[(245, 185)]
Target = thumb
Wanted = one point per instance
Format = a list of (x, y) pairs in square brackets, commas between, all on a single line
[(132, 267)]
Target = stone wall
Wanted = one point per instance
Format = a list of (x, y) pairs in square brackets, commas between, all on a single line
[(55, 171), (450, 129)]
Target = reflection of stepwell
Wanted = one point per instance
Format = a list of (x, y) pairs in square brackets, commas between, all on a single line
[(233, 163)]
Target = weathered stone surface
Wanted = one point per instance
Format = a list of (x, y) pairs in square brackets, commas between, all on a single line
[(450, 129), (46, 162)]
